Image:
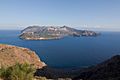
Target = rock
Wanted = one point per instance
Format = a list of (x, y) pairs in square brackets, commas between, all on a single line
[(10, 55)]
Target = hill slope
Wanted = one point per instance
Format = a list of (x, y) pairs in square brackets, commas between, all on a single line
[(10, 55), (107, 70)]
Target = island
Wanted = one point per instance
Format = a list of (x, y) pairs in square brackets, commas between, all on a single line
[(52, 32)]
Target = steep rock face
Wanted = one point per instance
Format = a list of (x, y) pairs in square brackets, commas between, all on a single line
[(52, 32), (10, 55)]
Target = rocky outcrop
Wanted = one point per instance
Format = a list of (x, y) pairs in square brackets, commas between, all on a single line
[(10, 55), (52, 32)]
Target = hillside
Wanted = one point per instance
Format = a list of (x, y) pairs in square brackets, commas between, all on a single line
[(10, 55), (52, 32), (107, 70)]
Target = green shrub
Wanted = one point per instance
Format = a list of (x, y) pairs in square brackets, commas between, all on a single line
[(5, 73), (18, 72)]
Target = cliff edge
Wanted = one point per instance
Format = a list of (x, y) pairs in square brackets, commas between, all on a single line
[(10, 55)]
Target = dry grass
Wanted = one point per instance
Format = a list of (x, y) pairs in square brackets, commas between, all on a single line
[(9, 55)]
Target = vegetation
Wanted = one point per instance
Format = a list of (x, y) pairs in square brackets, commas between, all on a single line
[(18, 72)]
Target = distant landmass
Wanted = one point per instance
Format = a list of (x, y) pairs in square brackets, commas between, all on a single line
[(52, 32)]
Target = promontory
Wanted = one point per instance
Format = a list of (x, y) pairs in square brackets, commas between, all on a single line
[(10, 55)]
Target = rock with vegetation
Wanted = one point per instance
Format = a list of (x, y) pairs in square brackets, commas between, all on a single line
[(19, 72), (52, 32), (10, 55)]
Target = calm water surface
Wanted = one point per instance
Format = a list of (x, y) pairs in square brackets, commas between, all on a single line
[(71, 51)]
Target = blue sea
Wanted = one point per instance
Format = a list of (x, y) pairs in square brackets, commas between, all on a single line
[(69, 52)]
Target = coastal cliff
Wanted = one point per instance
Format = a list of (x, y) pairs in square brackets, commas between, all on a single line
[(52, 32), (10, 55)]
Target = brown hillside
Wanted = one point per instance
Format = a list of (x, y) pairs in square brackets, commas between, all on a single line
[(10, 55)]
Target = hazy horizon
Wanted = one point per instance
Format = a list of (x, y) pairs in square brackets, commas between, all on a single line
[(100, 15)]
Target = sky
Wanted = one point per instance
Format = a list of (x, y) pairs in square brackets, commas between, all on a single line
[(80, 14)]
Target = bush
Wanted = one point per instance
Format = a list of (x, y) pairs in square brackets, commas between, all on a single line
[(18, 72)]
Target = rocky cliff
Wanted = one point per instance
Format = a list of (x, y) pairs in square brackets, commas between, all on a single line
[(10, 55), (52, 32)]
